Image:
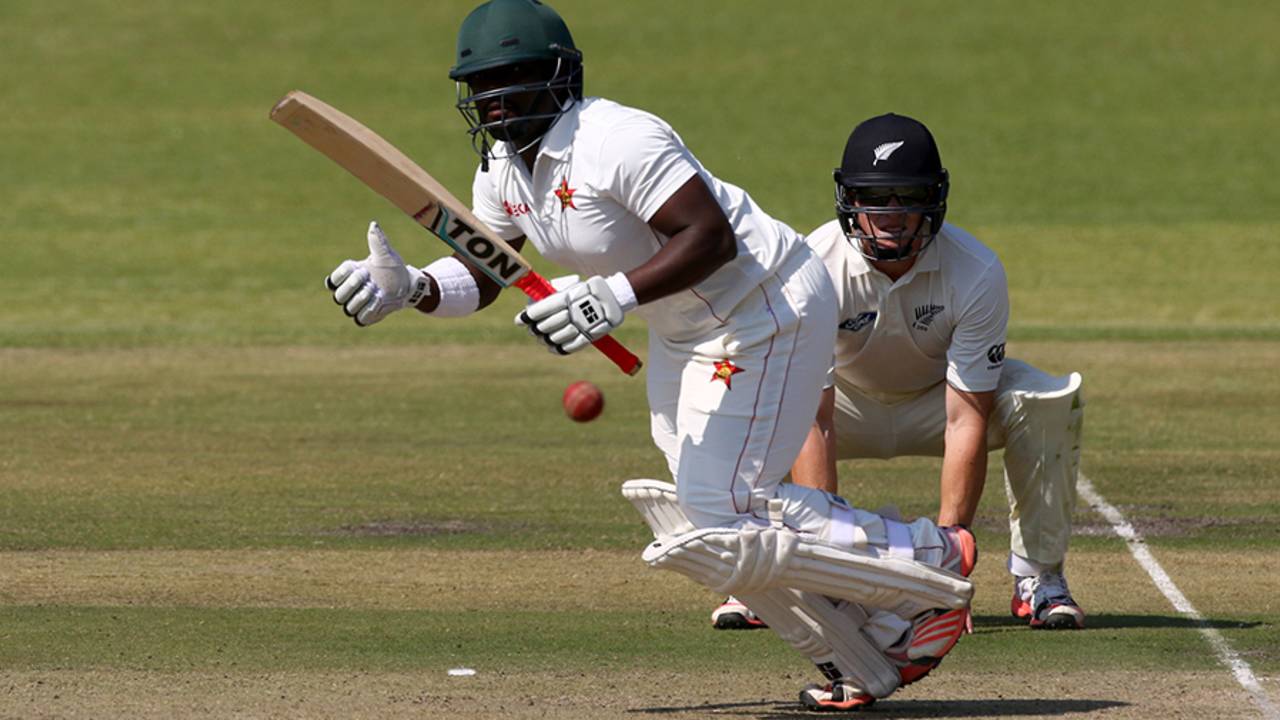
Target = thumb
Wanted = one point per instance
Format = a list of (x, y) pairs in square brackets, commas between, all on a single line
[(380, 247)]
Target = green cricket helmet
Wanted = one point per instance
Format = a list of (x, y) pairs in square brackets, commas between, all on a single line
[(888, 159), (516, 60)]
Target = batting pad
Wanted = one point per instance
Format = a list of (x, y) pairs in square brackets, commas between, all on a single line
[(754, 559), (831, 638), (656, 502), (810, 624)]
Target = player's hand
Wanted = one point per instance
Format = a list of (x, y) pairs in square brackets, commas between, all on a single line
[(373, 288), (573, 318)]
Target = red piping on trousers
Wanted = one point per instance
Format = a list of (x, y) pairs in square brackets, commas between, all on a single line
[(764, 372), (786, 374)]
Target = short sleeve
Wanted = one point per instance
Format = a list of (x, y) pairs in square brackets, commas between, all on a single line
[(976, 356), (643, 163), (488, 209), (829, 243)]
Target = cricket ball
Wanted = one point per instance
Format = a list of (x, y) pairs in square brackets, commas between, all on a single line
[(583, 401)]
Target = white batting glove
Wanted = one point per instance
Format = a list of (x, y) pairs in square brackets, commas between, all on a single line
[(573, 318), (564, 282), (373, 288)]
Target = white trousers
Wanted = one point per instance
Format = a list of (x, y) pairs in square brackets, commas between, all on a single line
[(731, 409), (1037, 419)]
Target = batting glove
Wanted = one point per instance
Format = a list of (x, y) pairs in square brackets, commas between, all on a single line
[(373, 288), (577, 316)]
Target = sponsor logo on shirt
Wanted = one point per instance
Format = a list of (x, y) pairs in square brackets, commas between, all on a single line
[(515, 209), (564, 194), (854, 324), (725, 370), (925, 315), (995, 354)]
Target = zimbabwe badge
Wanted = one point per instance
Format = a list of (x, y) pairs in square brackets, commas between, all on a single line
[(725, 370), (564, 194)]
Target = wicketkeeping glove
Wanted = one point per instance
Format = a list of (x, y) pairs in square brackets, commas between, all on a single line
[(373, 288), (573, 318)]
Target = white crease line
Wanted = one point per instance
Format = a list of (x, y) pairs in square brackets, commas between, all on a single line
[(1138, 546)]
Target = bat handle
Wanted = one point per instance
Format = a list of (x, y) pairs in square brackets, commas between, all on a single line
[(537, 287)]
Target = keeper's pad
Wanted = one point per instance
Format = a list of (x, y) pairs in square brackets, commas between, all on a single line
[(754, 559), (1042, 417)]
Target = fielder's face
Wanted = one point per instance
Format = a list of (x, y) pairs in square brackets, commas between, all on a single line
[(888, 230)]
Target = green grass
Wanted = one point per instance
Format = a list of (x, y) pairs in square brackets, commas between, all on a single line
[(142, 176), (173, 376), (178, 638)]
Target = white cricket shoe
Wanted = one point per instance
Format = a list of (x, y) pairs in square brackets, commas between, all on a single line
[(733, 615), (1046, 600), (838, 696)]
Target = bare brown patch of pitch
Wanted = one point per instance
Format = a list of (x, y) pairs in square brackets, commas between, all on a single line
[(736, 691)]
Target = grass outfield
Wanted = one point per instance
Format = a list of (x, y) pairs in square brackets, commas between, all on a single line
[(220, 499)]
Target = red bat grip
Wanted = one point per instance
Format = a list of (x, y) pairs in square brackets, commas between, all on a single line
[(537, 287)]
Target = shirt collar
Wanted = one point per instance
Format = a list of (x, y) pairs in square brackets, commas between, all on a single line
[(927, 261), (558, 140)]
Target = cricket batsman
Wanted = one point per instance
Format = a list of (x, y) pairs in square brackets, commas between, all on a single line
[(920, 364), (741, 316)]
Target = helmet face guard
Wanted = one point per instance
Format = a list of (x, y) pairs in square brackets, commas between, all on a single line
[(530, 40), (525, 127), (891, 166), (860, 204)]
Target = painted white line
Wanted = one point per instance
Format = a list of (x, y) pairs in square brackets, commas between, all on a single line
[(1138, 546)]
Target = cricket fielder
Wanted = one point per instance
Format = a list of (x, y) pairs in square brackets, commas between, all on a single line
[(920, 362), (741, 317)]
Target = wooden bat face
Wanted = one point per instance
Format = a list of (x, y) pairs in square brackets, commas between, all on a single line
[(391, 174)]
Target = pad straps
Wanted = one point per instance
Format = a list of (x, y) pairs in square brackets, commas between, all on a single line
[(900, 545)]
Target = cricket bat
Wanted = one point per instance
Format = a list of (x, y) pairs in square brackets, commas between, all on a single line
[(391, 174)]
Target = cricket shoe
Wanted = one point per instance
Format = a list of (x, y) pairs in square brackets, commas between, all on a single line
[(933, 634), (1046, 601), (733, 615), (838, 696)]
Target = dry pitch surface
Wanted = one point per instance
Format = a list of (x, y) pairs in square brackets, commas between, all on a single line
[(654, 693), (606, 581)]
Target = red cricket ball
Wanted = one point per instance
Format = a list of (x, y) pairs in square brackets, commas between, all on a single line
[(583, 401)]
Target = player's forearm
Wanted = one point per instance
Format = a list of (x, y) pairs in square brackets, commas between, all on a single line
[(964, 472), (455, 288), (687, 259), (700, 241), (477, 290), (815, 466)]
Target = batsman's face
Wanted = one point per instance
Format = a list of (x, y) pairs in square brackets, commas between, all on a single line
[(504, 96)]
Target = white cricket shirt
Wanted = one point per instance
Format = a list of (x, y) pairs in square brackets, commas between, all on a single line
[(946, 318), (601, 173)]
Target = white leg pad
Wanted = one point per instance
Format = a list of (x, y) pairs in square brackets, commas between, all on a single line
[(828, 636), (1042, 417), (831, 638), (754, 559), (656, 501)]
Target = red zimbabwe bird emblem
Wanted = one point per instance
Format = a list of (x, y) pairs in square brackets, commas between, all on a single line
[(564, 194), (725, 370)]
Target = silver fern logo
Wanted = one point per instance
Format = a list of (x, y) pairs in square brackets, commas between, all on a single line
[(884, 151)]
